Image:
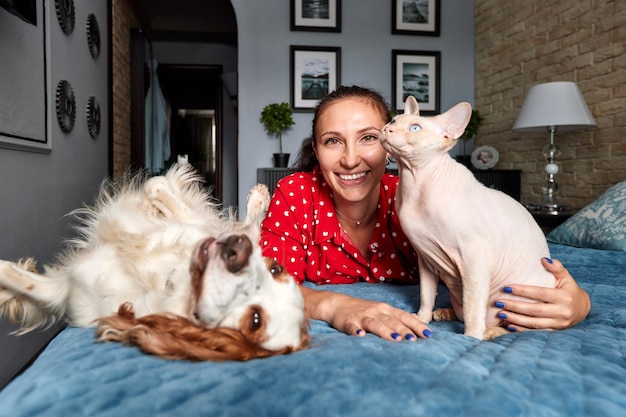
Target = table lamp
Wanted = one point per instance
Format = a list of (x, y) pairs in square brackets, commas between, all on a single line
[(548, 107)]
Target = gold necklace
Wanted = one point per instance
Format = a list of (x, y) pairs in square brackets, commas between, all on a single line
[(356, 222)]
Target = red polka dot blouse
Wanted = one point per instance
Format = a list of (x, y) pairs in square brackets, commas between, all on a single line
[(302, 232)]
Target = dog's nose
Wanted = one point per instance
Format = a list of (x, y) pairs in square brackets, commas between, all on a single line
[(236, 250)]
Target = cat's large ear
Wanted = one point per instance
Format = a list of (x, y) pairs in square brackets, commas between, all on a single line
[(411, 106), (454, 121)]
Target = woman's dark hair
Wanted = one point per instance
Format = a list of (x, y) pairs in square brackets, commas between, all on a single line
[(306, 159)]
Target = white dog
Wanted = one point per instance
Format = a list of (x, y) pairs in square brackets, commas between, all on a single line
[(476, 239), (161, 250)]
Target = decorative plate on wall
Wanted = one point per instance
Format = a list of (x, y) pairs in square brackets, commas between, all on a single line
[(93, 35), (65, 15), (65, 106), (93, 116), (485, 157)]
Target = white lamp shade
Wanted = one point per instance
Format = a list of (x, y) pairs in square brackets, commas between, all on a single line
[(557, 104)]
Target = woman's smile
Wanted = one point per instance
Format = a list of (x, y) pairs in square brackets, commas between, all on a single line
[(353, 177)]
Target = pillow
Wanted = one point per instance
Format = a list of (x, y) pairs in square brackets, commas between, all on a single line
[(600, 225)]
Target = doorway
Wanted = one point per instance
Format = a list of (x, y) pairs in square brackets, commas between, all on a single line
[(194, 94), (195, 45)]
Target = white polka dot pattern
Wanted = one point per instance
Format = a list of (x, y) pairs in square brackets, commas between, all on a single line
[(307, 238)]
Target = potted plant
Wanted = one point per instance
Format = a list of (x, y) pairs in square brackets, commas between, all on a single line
[(470, 132), (277, 117)]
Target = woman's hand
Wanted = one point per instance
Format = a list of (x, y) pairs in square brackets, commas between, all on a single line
[(357, 317), (556, 308)]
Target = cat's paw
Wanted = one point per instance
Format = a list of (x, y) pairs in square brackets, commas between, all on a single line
[(444, 314), (424, 316), (493, 332)]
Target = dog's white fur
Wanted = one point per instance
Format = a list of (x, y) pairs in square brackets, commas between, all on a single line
[(162, 245), (476, 239)]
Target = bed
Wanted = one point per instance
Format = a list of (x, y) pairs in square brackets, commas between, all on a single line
[(580, 371)]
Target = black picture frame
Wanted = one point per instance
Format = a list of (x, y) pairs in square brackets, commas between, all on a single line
[(315, 71), (416, 73), (316, 16), (407, 18)]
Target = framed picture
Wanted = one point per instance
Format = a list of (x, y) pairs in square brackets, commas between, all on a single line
[(24, 83), (314, 74), (416, 73), (316, 15), (415, 17)]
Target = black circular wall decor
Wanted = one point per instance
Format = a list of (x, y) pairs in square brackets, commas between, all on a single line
[(93, 35), (65, 106), (65, 15), (93, 116)]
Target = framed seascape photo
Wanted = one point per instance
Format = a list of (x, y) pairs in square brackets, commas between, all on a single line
[(316, 15), (416, 73), (415, 17), (314, 74)]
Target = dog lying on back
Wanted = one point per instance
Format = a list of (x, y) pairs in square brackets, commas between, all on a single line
[(186, 279), (476, 239)]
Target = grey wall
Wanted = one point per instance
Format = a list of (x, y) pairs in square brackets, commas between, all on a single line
[(38, 189), (366, 43)]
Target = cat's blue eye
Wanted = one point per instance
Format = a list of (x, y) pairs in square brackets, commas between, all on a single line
[(415, 128)]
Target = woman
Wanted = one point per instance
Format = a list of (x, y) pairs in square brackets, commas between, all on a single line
[(334, 221)]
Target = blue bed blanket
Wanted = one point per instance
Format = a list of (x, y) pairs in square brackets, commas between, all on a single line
[(575, 372)]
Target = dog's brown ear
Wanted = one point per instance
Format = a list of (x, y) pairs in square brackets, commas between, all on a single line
[(111, 328), (174, 337)]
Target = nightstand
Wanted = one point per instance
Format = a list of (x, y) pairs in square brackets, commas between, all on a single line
[(506, 180), (547, 221)]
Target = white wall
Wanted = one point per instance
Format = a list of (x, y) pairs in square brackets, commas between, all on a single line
[(366, 43), (38, 189)]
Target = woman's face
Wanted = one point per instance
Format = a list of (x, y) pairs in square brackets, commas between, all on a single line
[(346, 144)]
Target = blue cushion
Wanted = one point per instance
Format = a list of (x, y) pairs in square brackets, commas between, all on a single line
[(600, 225)]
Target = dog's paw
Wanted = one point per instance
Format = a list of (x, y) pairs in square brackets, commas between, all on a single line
[(161, 201), (28, 264), (11, 271), (155, 187), (258, 202), (493, 332), (444, 314), (258, 199)]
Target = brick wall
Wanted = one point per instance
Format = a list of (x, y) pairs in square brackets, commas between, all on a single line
[(519, 44), (123, 19)]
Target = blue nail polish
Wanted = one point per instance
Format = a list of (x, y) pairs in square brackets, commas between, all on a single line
[(548, 260), (360, 332), (409, 336), (508, 290), (428, 333), (396, 336), (501, 316), (511, 329), (499, 304)]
